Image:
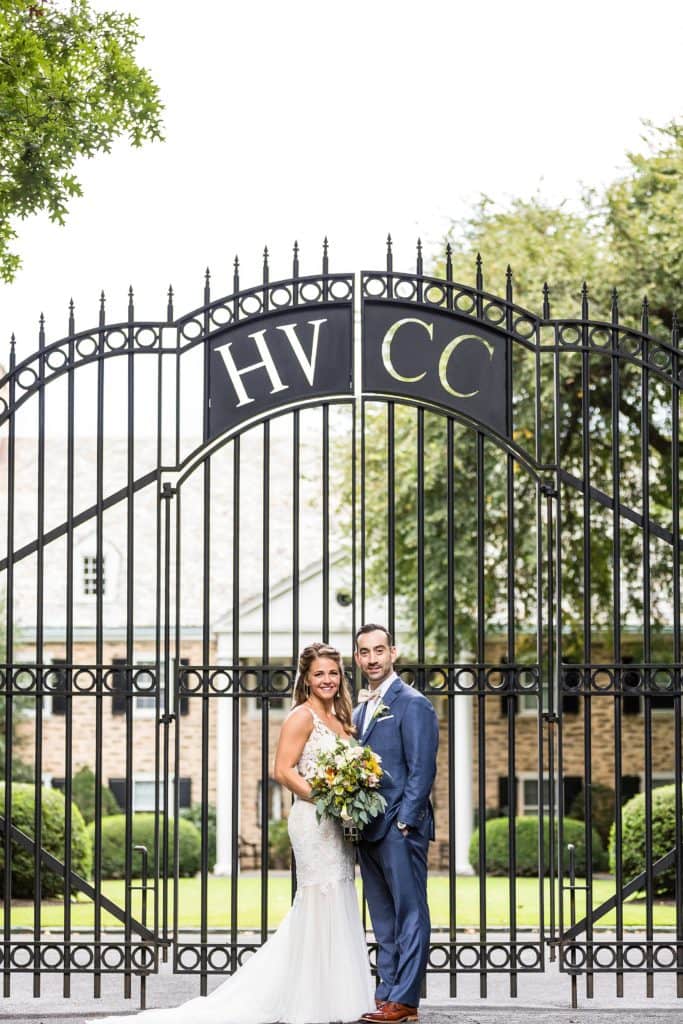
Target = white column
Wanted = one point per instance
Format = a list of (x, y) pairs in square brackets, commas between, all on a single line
[(224, 784), (463, 775)]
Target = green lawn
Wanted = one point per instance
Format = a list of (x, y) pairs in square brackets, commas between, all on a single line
[(467, 903)]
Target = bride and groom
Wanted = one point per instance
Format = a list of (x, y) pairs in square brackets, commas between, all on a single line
[(314, 968)]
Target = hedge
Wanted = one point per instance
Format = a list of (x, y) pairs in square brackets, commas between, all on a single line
[(83, 793), (602, 809), (52, 839), (526, 834), (113, 844), (633, 837)]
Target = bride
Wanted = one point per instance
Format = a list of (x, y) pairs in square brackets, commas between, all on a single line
[(315, 967)]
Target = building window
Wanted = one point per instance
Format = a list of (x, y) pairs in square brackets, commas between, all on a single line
[(528, 795), (143, 788), (274, 801), (94, 581)]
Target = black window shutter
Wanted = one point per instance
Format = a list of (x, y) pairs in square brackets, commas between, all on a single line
[(118, 788), (631, 701), (118, 686), (59, 784), (572, 785), (185, 792), (506, 807), (631, 704), (630, 786), (571, 681), (183, 702), (57, 684)]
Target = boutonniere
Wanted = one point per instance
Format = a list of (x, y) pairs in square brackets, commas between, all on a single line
[(381, 710)]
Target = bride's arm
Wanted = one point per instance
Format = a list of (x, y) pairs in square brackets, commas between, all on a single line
[(293, 735)]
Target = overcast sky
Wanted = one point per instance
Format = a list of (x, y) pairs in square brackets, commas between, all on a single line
[(298, 119)]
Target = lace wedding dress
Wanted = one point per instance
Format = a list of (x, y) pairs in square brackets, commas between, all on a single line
[(314, 969)]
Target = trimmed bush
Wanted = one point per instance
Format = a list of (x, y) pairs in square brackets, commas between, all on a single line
[(633, 837), (194, 814), (278, 844), (114, 837), (526, 834), (83, 792), (23, 862), (602, 809)]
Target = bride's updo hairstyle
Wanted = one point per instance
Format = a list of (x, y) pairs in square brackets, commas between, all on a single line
[(342, 700)]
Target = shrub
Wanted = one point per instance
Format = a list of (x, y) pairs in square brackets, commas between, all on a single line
[(602, 809), (194, 814), (23, 861), (633, 837), (113, 845), (83, 792), (278, 843), (526, 834)]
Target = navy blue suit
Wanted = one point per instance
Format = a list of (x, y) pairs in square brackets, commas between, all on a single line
[(394, 866)]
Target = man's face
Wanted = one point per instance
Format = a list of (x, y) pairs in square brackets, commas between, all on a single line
[(374, 657)]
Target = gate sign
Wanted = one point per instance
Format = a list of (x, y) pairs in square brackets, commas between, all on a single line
[(438, 357), (278, 359)]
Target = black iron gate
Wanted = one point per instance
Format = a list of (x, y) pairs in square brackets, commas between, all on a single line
[(189, 501)]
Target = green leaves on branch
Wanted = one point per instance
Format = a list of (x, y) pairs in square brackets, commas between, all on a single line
[(69, 86)]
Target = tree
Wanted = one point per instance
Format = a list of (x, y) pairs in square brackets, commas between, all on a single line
[(69, 86), (629, 237)]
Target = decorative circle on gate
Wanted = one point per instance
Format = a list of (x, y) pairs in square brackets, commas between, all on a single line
[(24, 680), (143, 958), (405, 288), (493, 313), (527, 678), (665, 956), (116, 340), (437, 680), (82, 957), (498, 956), (192, 329), (57, 358), (660, 358), (340, 290), (144, 680), (246, 954), (569, 334), (281, 681), (467, 957), (634, 956), (600, 337), (662, 680), (602, 679), (435, 295), (466, 679), (221, 316), (524, 327), (219, 958), (188, 957), (465, 302), (52, 956), (146, 338), (112, 957), (312, 291), (190, 680), (573, 955), (86, 347), (84, 680), (21, 956), (529, 957), (604, 956), (280, 297), (439, 957), (375, 287), (630, 344), (221, 681), (27, 378)]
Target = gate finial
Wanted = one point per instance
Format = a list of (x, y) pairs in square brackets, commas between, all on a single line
[(645, 316), (236, 274), (295, 262), (131, 308), (420, 267), (674, 329), (12, 351), (479, 285), (41, 331), (508, 284), (546, 301), (72, 322), (584, 301), (615, 306), (326, 259), (265, 265), (103, 304), (449, 262), (169, 307), (390, 257)]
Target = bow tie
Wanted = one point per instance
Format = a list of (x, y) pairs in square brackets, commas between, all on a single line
[(366, 695)]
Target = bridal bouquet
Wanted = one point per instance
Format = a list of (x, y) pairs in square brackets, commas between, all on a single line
[(345, 783)]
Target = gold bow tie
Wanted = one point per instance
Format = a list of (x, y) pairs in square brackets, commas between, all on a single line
[(366, 695)]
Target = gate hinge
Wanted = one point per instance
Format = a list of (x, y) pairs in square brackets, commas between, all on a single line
[(548, 489)]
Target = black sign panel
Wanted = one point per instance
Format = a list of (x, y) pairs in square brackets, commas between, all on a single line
[(279, 358), (436, 356)]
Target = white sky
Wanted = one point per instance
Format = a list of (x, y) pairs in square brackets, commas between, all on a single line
[(298, 119)]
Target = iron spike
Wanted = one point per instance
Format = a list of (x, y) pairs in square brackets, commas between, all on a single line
[(72, 321), (236, 275), (326, 258), (449, 262), (169, 306), (546, 301), (420, 265), (508, 284), (41, 331), (674, 329), (615, 306), (12, 351), (480, 275), (584, 301), (295, 262), (102, 309), (265, 265), (131, 308), (390, 256), (207, 286), (645, 316)]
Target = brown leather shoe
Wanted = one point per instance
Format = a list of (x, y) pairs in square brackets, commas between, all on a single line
[(379, 1003), (392, 1013)]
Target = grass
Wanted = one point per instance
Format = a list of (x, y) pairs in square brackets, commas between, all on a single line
[(279, 893)]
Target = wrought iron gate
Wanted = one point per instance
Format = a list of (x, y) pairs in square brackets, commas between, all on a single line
[(189, 501)]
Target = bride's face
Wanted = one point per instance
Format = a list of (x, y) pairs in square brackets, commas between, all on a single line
[(324, 678)]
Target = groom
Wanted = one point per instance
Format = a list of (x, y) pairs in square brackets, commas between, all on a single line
[(400, 725)]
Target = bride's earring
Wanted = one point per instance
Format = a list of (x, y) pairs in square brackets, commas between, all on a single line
[(307, 690)]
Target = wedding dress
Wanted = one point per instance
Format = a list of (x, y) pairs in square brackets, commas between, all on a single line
[(315, 967)]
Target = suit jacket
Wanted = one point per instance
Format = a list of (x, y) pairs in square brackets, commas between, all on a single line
[(406, 736)]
